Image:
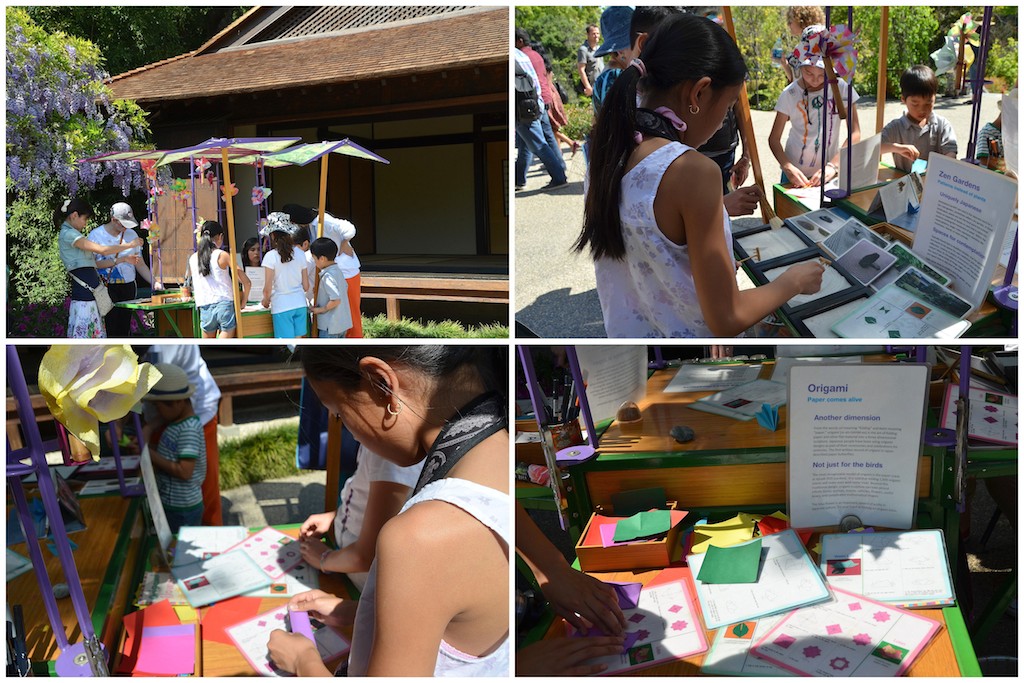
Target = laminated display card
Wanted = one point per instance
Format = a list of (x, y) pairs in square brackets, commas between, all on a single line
[(196, 543), (965, 213), (820, 324), (866, 261), (993, 415), (219, 578), (98, 487), (662, 627), (257, 275), (730, 650), (787, 579), (694, 377), (849, 234), (913, 307), (273, 551), (905, 568), (906, 258), (251, 637), (849, 635), (743, 402), (854, 443)]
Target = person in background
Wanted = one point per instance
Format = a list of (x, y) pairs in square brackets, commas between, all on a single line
[(615, 27), (556, 112), (206, 404), (179, 452), (589, 65), (989, 150), (332, 315), (534, 137), (342, 232), (119, 270), (77, 253), (920, 131), (802, 105), (797, 19), (208, 272), (284, 292), (251, 256)]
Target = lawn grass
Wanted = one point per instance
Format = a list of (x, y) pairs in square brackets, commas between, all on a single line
[(268, 454), (379, 327)]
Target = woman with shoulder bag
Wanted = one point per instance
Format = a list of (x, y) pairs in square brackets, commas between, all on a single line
[(89, 298)]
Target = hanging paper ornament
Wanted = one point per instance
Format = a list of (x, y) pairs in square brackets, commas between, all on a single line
[(179, 185), (211, 177), (966, 26), (201, 164), (149, 168), (260, 194), (228, 191)]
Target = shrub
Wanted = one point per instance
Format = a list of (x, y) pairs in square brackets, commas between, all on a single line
[(581, 119), (379, 327), (268, 454), (1002, 65), (757, 29)]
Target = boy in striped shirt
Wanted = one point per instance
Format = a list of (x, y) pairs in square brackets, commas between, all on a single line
[(179, 458)]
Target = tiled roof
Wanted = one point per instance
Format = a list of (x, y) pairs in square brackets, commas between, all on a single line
[(475, 37)]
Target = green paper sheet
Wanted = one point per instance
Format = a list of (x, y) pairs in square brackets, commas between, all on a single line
[(643, 525), (735, 564)]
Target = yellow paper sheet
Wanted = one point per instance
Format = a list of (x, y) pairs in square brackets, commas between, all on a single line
[(86, 385), (723, 534), (186, 614)]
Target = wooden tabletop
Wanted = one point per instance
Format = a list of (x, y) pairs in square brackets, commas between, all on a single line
[(106, 577), (937, 659)]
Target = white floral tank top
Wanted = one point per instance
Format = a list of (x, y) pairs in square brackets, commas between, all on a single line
[(650, 292)]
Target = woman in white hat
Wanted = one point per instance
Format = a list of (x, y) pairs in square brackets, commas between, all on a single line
[(120, 269), (286, 279)]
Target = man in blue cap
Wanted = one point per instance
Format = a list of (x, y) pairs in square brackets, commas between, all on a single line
[(615, 22)]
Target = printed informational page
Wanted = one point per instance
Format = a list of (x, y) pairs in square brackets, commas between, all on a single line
[(203, 542), (730, 653), (109, 465), (787, 579), (251, 636), (811, 196), (156, 506), (785, 364), (965, 212), (906, 258), (854, 443), (257, 276), (905, 568), (663, 626), (273, 551), (697, 377), (219, 578), (743, 402), (613, 374), (850, 635), (865, 155), (993, 415)]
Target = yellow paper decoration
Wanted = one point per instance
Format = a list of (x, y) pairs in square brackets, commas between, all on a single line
[(86, 385)]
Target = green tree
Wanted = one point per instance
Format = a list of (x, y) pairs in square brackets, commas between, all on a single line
[(561, 30), (757, 29), (58, 111), (132, 36)]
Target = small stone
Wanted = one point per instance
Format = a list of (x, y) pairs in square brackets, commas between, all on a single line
[(681, 433), (61, 591), (628, 412)]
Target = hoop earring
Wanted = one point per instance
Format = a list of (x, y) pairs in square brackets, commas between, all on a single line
[(392, 412), (694, 110)]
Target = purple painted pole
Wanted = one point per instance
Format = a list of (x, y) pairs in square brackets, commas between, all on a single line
[(547, 444), (195, 211), (19, 387), (659, 360), (978, 84), (824, 112), (581, 391), (965, 385)]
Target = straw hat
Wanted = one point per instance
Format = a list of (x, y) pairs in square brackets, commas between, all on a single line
[(172, 386)]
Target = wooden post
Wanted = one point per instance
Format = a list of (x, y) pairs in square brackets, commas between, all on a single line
[(229, 205), (332, 487), (747, 126), (320, 230), (883, 72), (961, 65)]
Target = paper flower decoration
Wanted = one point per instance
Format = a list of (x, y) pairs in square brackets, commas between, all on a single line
[(179, 185), (260, 194), (84, 385), (202, 164), (228, 191), (969, 28), (149, 168)]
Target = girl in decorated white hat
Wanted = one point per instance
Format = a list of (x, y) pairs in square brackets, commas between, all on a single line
[(286, 279)]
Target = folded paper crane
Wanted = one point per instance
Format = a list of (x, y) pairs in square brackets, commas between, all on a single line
[(768, 417)]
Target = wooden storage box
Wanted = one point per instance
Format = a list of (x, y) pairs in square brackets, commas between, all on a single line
[(642, 555)]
